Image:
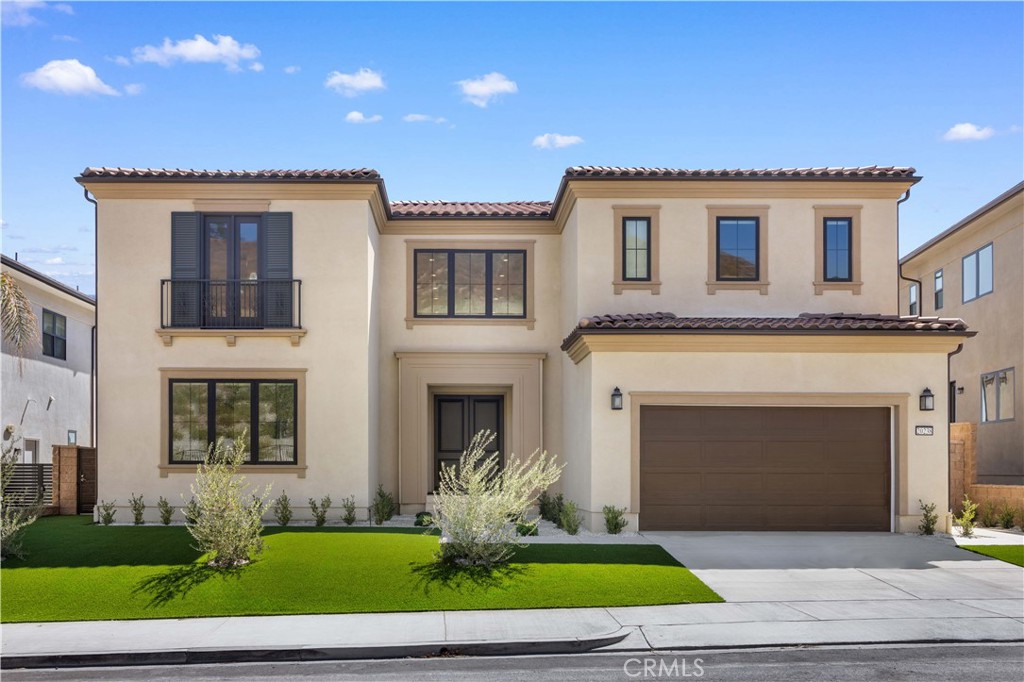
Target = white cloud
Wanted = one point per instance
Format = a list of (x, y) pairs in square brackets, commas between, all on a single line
[(256, 66), (67, 77), (65, 39), (967, 131), (134, 89), (423, 118), (481, 91), (555, 141), (292, 69), (354, 84), (20, 12), (120, 61), (225, 50), (358, 117), (54, 261)]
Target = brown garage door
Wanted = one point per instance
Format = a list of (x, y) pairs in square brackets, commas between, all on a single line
[(764, 468)]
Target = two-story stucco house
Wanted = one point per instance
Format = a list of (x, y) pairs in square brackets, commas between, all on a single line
[(975, 270), (650, 326), (48, 393)]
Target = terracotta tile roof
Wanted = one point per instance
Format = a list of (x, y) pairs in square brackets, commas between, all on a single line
[(805, 323), (833, 172), (471, 209), (201, 174)]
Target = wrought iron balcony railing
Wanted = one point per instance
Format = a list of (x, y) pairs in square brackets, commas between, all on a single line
[(231, 303)]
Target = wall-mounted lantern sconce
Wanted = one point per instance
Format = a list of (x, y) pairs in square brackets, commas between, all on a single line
[(927, 400), (616, 399)]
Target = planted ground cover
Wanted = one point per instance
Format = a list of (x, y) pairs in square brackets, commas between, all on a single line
[(74, 570), (1013, 554)]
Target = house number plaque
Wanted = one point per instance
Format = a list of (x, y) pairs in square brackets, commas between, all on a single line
[(924, 430)]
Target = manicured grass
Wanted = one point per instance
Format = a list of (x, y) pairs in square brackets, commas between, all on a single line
[(74, 570), (1012, 554)]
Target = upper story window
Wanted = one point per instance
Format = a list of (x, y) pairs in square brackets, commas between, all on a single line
[(997, 396), (977, 273), (636, 249), (231, 271), (912, 308), (737, 248), (470, 283), (838, 239), (738, 243), (938, 289), (55, 335)]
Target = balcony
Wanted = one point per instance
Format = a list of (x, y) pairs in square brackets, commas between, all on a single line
[(230, 308)]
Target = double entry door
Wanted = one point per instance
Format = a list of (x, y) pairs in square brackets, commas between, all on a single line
[(457, 418)]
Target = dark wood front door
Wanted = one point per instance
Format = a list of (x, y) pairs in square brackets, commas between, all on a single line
[(764, 468), (457, 418), (86, 480)]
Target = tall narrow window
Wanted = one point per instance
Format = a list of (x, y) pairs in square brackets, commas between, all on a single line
[(938, 289), (912, 295), (997, 396), (55, 335), (977, 273), (636, 249), (738, 245), (838, 251)]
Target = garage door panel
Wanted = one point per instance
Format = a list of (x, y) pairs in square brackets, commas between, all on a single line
[(799, 468)]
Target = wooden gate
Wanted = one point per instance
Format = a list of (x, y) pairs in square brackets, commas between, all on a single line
[(86, 480)]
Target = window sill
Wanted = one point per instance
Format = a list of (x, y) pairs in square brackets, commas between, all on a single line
[(822, 287), (618, 286), (714, 287), (298, 469), (527, 322), (231, 336)]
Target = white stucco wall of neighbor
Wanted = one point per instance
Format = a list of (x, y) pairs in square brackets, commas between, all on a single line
[(895, 379), (48, 397)]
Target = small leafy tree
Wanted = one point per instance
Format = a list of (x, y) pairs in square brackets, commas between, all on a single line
[(348, 510), (229, 521), (928, 518), (320, 510), (16, 511), (966, 518), (165, 509), (476, 500), (282, 509), (138, 508)]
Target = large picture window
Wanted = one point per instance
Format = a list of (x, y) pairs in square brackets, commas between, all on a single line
[(997, 390), (470, 284), (737, 245), (977, 273), (203, 411), (55, 335)]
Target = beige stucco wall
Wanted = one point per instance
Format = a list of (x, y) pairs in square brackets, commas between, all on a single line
[(791, 256), (27, 391), (999, 320), (334, 258), (844, 378)]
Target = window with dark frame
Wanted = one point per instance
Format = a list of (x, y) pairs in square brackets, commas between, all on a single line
[(205, 410), (737, 245), (470, 283), (55, 335), (912, 296), (938, 289), (636, 249), (838, 250), (977, 273), (997, 396)]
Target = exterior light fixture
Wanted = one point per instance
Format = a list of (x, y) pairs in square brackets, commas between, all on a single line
[(616, 399), (959, 390), (927, 400)]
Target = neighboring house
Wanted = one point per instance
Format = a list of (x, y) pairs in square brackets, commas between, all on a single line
[(975, 271), (363, 342), (50, 397)]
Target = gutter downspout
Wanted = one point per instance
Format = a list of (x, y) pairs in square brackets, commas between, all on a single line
[(949, 432), (94, 360), (899, 264)]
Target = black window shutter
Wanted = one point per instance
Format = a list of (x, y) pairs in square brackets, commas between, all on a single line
[(276, 260), (186, 269)]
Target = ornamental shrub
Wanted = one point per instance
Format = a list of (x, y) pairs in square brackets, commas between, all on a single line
[(987, 515), (382, 508), (16, 511), (928, 518), (476, 499), (107, 511), (282, 509), (966, 518), (320, 510), (138, 508), (165, 509), (570, 518), (614, 519), (1006, 516), (348, 509)]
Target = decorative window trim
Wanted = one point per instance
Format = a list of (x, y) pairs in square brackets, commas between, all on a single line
[(997, 407), (296, 375), (413, 245), (738, 211), (821, 213), (652, 213)]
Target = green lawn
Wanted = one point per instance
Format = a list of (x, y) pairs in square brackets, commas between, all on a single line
[(74, 570), (1012, 554)]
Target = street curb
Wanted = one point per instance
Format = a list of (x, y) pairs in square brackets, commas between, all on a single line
[(295, 654), (810, 645)]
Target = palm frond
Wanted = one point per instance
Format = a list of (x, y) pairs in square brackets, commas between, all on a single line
[(20, 326)]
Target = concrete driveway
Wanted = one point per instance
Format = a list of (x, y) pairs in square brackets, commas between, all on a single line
[(846, 567)]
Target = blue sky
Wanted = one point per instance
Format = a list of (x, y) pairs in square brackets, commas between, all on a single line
[(511, 95)]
